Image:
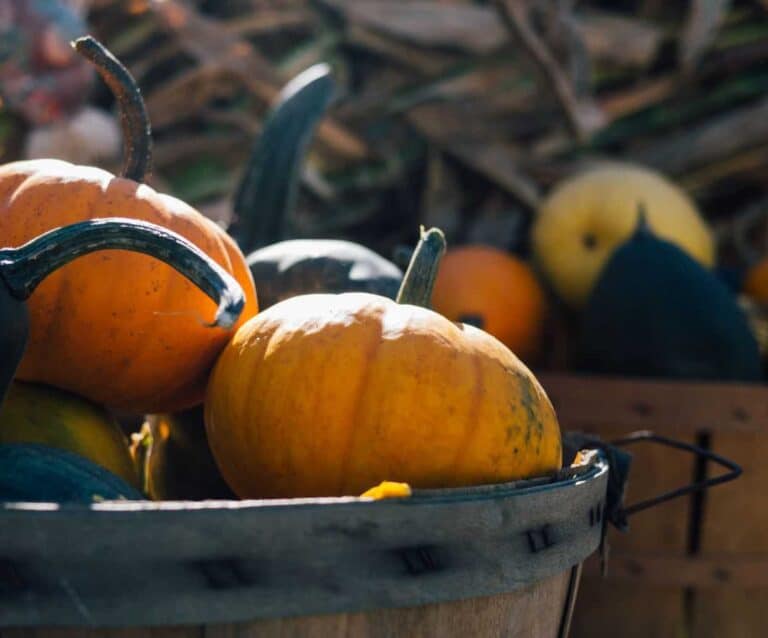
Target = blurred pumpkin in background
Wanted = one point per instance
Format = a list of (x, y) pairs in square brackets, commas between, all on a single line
[(586, 217), (755, 284), (493, 290)]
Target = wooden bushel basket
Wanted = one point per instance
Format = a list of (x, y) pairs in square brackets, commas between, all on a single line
[(696, 566), (498, 560)]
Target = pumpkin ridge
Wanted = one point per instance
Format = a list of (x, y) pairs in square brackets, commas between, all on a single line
[(472, 416), (353, 426), (253, 434)]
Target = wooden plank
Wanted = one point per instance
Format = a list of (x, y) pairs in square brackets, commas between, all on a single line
[(604, 605), (532, 612), (720, 571), (609, 408), (142, 632), (668, 407), (736, 522), (236, 561)]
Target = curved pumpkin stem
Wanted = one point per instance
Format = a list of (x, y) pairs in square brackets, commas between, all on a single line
[(267, 190), (137, 133), (13, 338), (23, 268), (420, 277)]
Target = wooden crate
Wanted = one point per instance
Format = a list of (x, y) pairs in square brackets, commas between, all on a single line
[(695, 566)]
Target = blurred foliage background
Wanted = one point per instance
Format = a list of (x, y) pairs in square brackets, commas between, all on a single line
[(454, 113)]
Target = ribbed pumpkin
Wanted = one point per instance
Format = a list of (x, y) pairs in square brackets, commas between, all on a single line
[(495, 291), (325, 395), (121, 329), (22, 269), (33, 413)]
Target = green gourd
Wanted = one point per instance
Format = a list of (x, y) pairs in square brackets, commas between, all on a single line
[(30, 472), (283, 267), (656, 312)]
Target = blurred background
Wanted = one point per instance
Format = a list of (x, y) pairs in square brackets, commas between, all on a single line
[(456, 113)]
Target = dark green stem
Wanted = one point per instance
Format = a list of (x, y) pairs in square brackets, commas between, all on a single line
[(23, 268), (13, 338), (267, 190), (137, 134), (642, 226), (420, 277)]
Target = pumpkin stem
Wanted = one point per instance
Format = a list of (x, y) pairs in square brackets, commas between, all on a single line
[(13, 338), (268, 187), (137, 134), (23, 268), (420, 277), (642, 226)]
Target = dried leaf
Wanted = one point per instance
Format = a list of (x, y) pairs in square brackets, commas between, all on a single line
[(619, 39), (704, 18), (583, 114), (213, 45), (494, 158), (716, 138), (428, 23)]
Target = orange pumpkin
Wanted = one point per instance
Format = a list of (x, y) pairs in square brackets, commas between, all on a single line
[(495, 291), (119, 328), (755, 284), (323, 395)]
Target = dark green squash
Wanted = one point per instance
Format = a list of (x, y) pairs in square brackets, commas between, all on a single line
[(39, 473), (24, 267), (655, 312), (283, 267)]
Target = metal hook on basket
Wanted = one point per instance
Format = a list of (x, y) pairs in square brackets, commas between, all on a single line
[(734, 470), (620, 463)]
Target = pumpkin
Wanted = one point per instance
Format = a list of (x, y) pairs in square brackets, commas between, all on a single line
[(324, 395), (284, 267), (174, 459), (656, 312), (586, 217), (120, 329), (755, 284), (495, 291), (33, 472), (40, 414), (22, 270)]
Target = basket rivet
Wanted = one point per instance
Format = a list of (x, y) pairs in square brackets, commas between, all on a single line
[(421, 560), (225, 573), (540, 539)]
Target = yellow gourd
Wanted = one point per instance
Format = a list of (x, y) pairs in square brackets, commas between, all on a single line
[(586, 217), (41, 414)]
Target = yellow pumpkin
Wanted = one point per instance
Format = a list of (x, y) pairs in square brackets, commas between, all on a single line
[(41, 414), (586, 217), (323, 395)]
